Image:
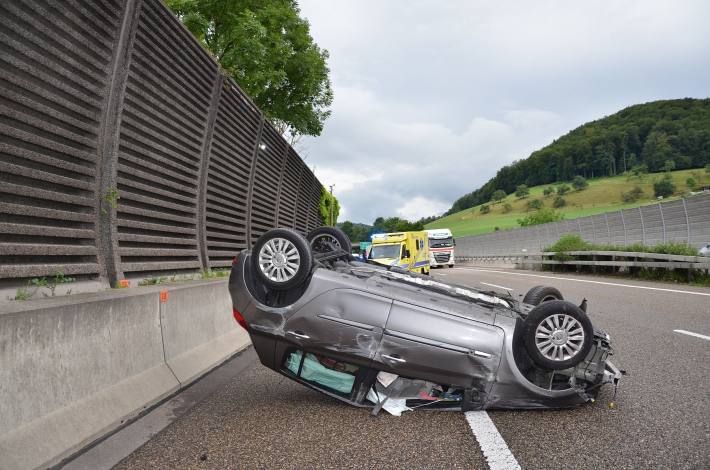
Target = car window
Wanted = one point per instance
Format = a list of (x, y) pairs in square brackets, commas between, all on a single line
[(323, 372)]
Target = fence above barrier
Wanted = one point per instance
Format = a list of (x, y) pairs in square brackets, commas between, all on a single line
[(683, 221)]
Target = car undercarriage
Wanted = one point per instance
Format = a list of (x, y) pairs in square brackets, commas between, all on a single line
[(380, 337)]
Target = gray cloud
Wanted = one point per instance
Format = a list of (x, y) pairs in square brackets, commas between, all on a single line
[(432, 98)]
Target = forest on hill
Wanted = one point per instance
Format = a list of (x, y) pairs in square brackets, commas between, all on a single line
[(668, 134)]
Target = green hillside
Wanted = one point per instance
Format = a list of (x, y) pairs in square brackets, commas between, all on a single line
[(648, 135), (602, 195)]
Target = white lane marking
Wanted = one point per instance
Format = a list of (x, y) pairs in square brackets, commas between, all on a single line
[(690, 333), (591, 282), (497, 286), (493, 446)]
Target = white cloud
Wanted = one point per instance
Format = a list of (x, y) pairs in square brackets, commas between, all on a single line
[(419, 207), (432, 98)]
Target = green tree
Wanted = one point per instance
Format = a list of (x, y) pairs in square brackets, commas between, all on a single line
[(632, 195), (542, 216), (691, 183), (534, 204), (498, 195), (326, 200), (507, 208), (522, 191), (485, 209), (580, 183), (657, 150), (563, 189), (548, 191), (348, 229), (664, 187), (669, 165), (267, 48), (559, 202)]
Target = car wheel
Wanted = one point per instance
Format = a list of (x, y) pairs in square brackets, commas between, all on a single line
[(282, 259), (323, 239), (557, 335), (451, 266), (540, 294)]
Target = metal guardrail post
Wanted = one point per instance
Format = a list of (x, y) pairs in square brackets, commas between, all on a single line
[(663, 222), (594, 230), (643, 228), (107, 145), (687, 221), (201, 212), (608, 229), (255, 156), (623, 224)]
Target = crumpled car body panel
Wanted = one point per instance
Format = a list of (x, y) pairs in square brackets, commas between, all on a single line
[(361, 318)]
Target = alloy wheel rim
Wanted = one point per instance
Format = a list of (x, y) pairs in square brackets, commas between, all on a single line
[(279, 260), (319, 240), (559, 337)]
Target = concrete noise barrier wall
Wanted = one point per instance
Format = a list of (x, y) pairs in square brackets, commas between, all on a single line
[(125, 152), (74, 368)]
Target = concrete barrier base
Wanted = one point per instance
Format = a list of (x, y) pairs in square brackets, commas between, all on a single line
[(73, 369)]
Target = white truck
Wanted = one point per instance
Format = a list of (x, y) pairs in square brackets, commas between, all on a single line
[(441, 247)]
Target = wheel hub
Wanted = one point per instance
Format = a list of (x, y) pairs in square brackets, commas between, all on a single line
[(279, 260), (559, 337)]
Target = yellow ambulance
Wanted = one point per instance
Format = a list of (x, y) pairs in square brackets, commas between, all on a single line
[(408, 250)]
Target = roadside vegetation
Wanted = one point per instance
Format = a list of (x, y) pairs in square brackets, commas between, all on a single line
[(573, 242), (599, 195)]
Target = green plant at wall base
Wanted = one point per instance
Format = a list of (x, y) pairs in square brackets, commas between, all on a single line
[(573, 242), (22, 294), (111, 199), (152, 281), (53, 282)]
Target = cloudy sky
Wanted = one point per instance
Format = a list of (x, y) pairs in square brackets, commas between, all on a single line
[(433, 97)]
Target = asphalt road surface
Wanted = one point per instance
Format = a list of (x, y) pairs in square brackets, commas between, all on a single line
[(259, 419)]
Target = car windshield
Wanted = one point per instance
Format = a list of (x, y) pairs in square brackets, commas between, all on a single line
[(440, 242), (384, 251)]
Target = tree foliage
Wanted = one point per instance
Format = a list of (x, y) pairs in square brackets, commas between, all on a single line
[(267, 48), (541, 216), (498, 195), (579, 183), (646, 134), (522, 191), (326, 200), (664, 187), (562, 189)]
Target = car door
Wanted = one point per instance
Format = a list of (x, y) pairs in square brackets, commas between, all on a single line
[(343, 324), (421, 343)]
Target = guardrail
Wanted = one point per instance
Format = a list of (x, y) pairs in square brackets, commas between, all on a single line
[(629, 259)]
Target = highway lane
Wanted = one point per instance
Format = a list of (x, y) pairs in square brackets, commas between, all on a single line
[(662, 418), (259, 419)]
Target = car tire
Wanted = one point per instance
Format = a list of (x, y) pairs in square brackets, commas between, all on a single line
[(282, 259), (320, 238), (540, 294), (557, 335), (451, 266)]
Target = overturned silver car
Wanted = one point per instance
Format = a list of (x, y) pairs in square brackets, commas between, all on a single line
[(375, 336)]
